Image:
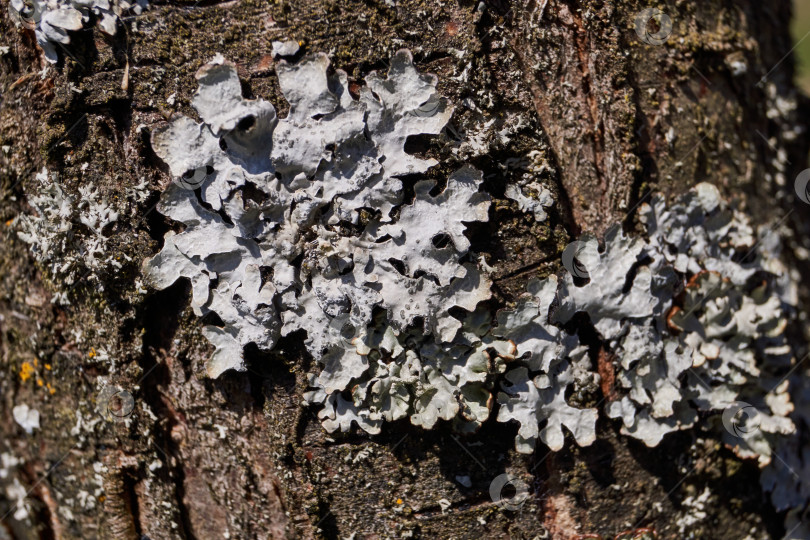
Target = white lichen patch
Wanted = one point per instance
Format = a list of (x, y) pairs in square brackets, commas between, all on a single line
[(8, 462), (693, 317), (531, 196), (541, 401), (694, 511), (694, 321), (606, 298), (66, 234), (52, 20), (294, 229), (558, 362), (26, 417), (299, 224), (787, 477), (17, 494), (651, 372)]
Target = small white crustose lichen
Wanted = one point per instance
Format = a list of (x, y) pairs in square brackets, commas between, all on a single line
[(66, 233), (51, 20)]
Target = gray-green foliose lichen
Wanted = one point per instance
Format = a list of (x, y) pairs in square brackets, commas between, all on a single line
[(300, 224)]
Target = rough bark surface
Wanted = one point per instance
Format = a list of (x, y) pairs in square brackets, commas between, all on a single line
[(611, 118)]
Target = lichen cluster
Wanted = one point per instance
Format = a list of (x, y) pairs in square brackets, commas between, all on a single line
[(787, 477), (52, 20), (691, 318), (302, 225), (66, 233), (712, 333)]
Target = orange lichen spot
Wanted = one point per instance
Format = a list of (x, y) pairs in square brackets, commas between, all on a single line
[(48, 367), (26, 371), (51, 389), (40, 382), (399, 501), (36, 362), (9, 222), (92, 353), (101, 498)]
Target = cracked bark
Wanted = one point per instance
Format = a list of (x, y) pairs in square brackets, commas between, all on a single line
[(613, 120)]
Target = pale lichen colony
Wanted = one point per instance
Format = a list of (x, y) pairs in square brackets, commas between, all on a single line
[(301, 224), (51, 20)]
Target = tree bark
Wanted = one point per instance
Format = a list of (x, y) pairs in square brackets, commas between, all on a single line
[(611, 119)]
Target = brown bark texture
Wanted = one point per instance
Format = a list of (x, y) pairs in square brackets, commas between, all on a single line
[(611, 118)]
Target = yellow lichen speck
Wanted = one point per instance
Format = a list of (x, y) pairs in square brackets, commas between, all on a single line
[(26, 370)]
